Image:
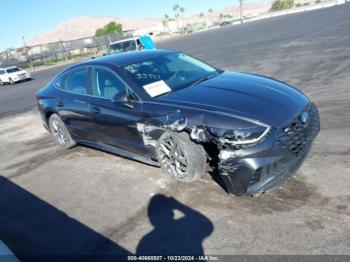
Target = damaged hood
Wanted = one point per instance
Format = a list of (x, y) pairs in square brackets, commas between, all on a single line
[(255, 97)]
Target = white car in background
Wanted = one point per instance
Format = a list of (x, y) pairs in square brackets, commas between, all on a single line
[(13, 74)]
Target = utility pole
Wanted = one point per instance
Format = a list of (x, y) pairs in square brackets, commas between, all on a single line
[(24, 42), (24, 53), (63, 48), (241, 10)]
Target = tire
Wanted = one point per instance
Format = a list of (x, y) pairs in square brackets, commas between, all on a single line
[(1, 83), (180, 158), (60, 133), (11, 81)]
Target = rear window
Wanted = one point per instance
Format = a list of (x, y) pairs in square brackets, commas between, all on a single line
[(12, 70), (123, 46)]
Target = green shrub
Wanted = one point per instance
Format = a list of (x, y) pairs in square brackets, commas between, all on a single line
[(163, 33), (281, 5), (109, 28), (318, 1), (298, 5), (306, 4)]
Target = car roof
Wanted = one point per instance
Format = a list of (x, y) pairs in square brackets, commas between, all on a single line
[(124, 40), (10, 67), (126, 58)]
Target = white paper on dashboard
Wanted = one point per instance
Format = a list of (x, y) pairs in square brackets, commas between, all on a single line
[(157, 88)]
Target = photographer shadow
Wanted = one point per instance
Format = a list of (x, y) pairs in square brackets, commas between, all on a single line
[(174, 236), (34, 230)]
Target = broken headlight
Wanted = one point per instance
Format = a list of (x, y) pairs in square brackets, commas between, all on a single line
[(243, 136)]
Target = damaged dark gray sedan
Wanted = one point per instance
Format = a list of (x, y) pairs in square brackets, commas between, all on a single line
[(166, 108)]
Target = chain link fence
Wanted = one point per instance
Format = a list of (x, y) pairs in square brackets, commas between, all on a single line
[(52, 53)]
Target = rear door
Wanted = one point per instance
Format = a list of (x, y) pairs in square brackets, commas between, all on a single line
[(115, 122), (72, 103)]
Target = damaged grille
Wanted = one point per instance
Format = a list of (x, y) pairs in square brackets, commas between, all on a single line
[(297, 135)]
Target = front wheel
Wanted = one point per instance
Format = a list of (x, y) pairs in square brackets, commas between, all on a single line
[(1, 83), (11, 81), (60, 133), (180, 158)]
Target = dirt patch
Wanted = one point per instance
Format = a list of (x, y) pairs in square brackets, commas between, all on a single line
[(36, 161), (294, 195), (341, 207), (315, 225)]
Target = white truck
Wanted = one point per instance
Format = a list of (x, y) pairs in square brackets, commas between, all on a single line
[(12, 75), (131, 44)]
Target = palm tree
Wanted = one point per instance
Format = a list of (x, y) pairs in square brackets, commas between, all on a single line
[(210, 11), (165, 24), (176, 9), (241, 10), (182, 11)]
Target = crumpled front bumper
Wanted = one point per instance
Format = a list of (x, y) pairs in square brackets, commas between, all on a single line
[(272, 163)]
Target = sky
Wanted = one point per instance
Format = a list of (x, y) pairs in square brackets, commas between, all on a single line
[(29, 18)]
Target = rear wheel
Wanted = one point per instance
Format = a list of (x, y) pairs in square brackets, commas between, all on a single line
[(60, 133), (180, 158)]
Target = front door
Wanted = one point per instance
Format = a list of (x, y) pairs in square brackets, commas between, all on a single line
[(115, 122)]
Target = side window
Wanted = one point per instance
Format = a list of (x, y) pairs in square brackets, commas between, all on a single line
[(2, 72), (60, 82), (106, 84), (77, 81)]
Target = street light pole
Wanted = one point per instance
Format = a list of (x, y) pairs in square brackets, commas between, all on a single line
[(24, 41), (241, 10)]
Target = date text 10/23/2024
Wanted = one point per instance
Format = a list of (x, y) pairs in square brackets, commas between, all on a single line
[(173, 258)]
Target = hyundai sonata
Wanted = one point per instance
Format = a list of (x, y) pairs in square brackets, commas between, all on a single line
[(169, 109)]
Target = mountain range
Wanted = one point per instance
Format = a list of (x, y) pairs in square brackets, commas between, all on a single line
[(85, 26)]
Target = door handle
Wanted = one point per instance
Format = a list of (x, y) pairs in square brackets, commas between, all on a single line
[(95, 110), (60, 104), (128, 105)]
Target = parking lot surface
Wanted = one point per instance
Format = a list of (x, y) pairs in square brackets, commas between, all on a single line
[(85, 201)]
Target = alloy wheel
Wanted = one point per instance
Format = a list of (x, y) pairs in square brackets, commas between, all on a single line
[(173, 158), (59, 132)]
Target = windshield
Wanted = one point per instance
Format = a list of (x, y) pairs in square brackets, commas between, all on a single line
[(169, 73), (12, 70), (123, 46)]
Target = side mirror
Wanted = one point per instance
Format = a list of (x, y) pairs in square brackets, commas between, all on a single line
[(120, 97)]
